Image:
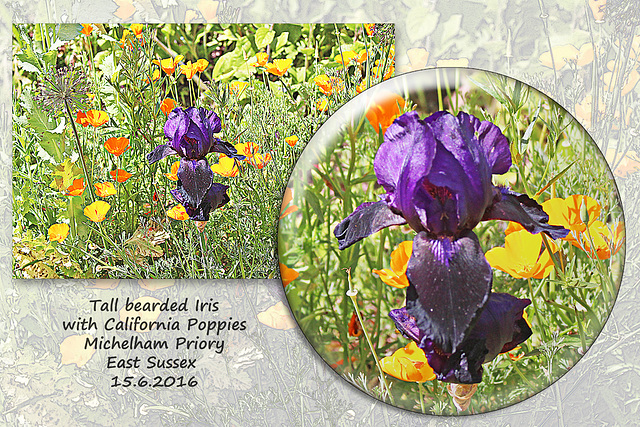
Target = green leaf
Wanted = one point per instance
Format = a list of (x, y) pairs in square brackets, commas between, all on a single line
[(264, 37), (554, 179), (68, 32), (40, 121), (294, 31), (64, 174), (281, 41), (51, 138)]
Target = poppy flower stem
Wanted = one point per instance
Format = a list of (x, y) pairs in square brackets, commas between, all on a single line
[(352, 293), (522, 376), (421, 390), (536, 310), (84, 166)]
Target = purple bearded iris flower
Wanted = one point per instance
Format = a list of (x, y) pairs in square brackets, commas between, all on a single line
[(499, 328), (437, 177), (190, 133)]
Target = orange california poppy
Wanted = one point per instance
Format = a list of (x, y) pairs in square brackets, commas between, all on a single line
[(173, 175), (201, 65), (117, 146), (571, 214), (346, 57), (169, 65), (521, 256), (97, 211), (397, 275), (329, 85), (237, 88), (418, 57), (178, 212), (137, 28), (322, 104), (259, 161), (105, 189), (291, 140), (602, 239), (598, 9), (58, 232), (86, 29), (287, 274), (286, 199), (384, 109), (370, 29), (189, 69), (408, 364), (167, 106), (96, 117), (279, 66), (362, 56), (226, 166), (81, 118), (120, 175), (355, 327), (248, 149), (76, 188), (261, 59)]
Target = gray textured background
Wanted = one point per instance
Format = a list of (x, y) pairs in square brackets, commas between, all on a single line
[(273, 377)]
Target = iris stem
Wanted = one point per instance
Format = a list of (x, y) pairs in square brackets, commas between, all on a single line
[(352, 294)]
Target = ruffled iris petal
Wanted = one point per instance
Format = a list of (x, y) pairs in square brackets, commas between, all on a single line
[(367, 219), (196, 178), (500, 328), (159, 153), (216, 197), (450, 281), (403, 160), (175, 128), (520, 208)]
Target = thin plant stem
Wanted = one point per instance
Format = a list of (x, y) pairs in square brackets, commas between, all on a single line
[(537, 311), (352, 293), (84, 166)]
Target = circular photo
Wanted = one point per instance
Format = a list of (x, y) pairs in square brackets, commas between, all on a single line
[(451, 241)]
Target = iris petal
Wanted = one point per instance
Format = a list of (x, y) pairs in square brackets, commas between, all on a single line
[(216, 197), (367, 219), (196, 178), (450, 281), (159, 153), (176, 127), (393, 158), (500, 328), (510, 206)]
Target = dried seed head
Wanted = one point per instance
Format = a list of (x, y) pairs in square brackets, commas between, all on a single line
[(66, 85)]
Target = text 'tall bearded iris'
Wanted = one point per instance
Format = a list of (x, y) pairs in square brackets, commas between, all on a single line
[(437, 173), (191, 136)]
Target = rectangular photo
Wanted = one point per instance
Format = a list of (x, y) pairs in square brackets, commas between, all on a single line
[(163, 150)]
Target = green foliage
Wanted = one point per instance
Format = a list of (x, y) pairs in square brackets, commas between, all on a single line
[(570, 305), (127, 80)]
